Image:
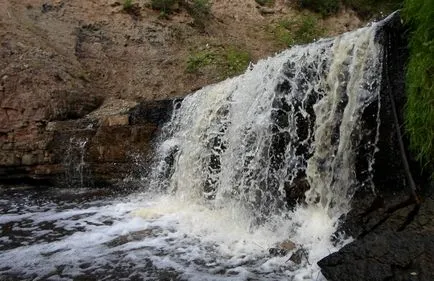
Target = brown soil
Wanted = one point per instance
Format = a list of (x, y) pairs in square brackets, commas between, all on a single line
[(94, 46)]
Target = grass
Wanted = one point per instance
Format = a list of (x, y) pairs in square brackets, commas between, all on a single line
[(200, 59), (227, 60), (419, 111), (302, 30)]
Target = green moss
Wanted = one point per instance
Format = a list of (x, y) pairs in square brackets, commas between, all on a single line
[(419, 112)]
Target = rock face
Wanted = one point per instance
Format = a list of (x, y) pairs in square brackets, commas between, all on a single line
[(400, 248), (394, 234), (87, 151)]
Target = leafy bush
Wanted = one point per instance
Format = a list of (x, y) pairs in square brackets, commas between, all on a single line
[(419, 114), (324, 7)]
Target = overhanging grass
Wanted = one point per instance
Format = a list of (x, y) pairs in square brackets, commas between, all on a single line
[(419, 111)]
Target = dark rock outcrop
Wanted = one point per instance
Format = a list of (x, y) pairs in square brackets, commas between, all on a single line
[(402, 248), (394, 233)]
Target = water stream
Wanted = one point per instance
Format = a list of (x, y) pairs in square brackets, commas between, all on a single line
[(218, 197)]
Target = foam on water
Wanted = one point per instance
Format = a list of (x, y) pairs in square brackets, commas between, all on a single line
[(147, 236)]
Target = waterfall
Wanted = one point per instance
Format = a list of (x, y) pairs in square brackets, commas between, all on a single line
[(246, 143), (294, 115), (76, 170)]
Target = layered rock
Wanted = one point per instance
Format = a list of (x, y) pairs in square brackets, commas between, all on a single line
[(87, 151)]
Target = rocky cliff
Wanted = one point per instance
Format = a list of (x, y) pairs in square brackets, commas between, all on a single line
[(75, 71)]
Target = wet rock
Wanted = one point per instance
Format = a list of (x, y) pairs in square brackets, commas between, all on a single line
[(381, 257), (393, 235), (282, 248), (298, 256)]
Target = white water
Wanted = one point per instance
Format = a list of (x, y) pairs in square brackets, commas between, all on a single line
[(216, 198)]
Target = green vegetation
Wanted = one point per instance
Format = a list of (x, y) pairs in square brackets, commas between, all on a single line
[(127, 4), (302, 30), (199, 60), (419, 113), (235, 61), (165, 6), (365, 8), (228, 61), (371, 8), (324, 7), (265, 2), (199, 10)]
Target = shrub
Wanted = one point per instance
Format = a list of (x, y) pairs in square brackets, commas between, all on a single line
[(301, 30), (198, 60), (127, 4), (227, 61), (370, 8), (236, 61), (324, 7), (419, 112), (163, 5), (199, 10)]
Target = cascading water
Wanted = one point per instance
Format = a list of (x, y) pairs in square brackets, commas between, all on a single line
[(236, 145), (227, 165), (74, 163)]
